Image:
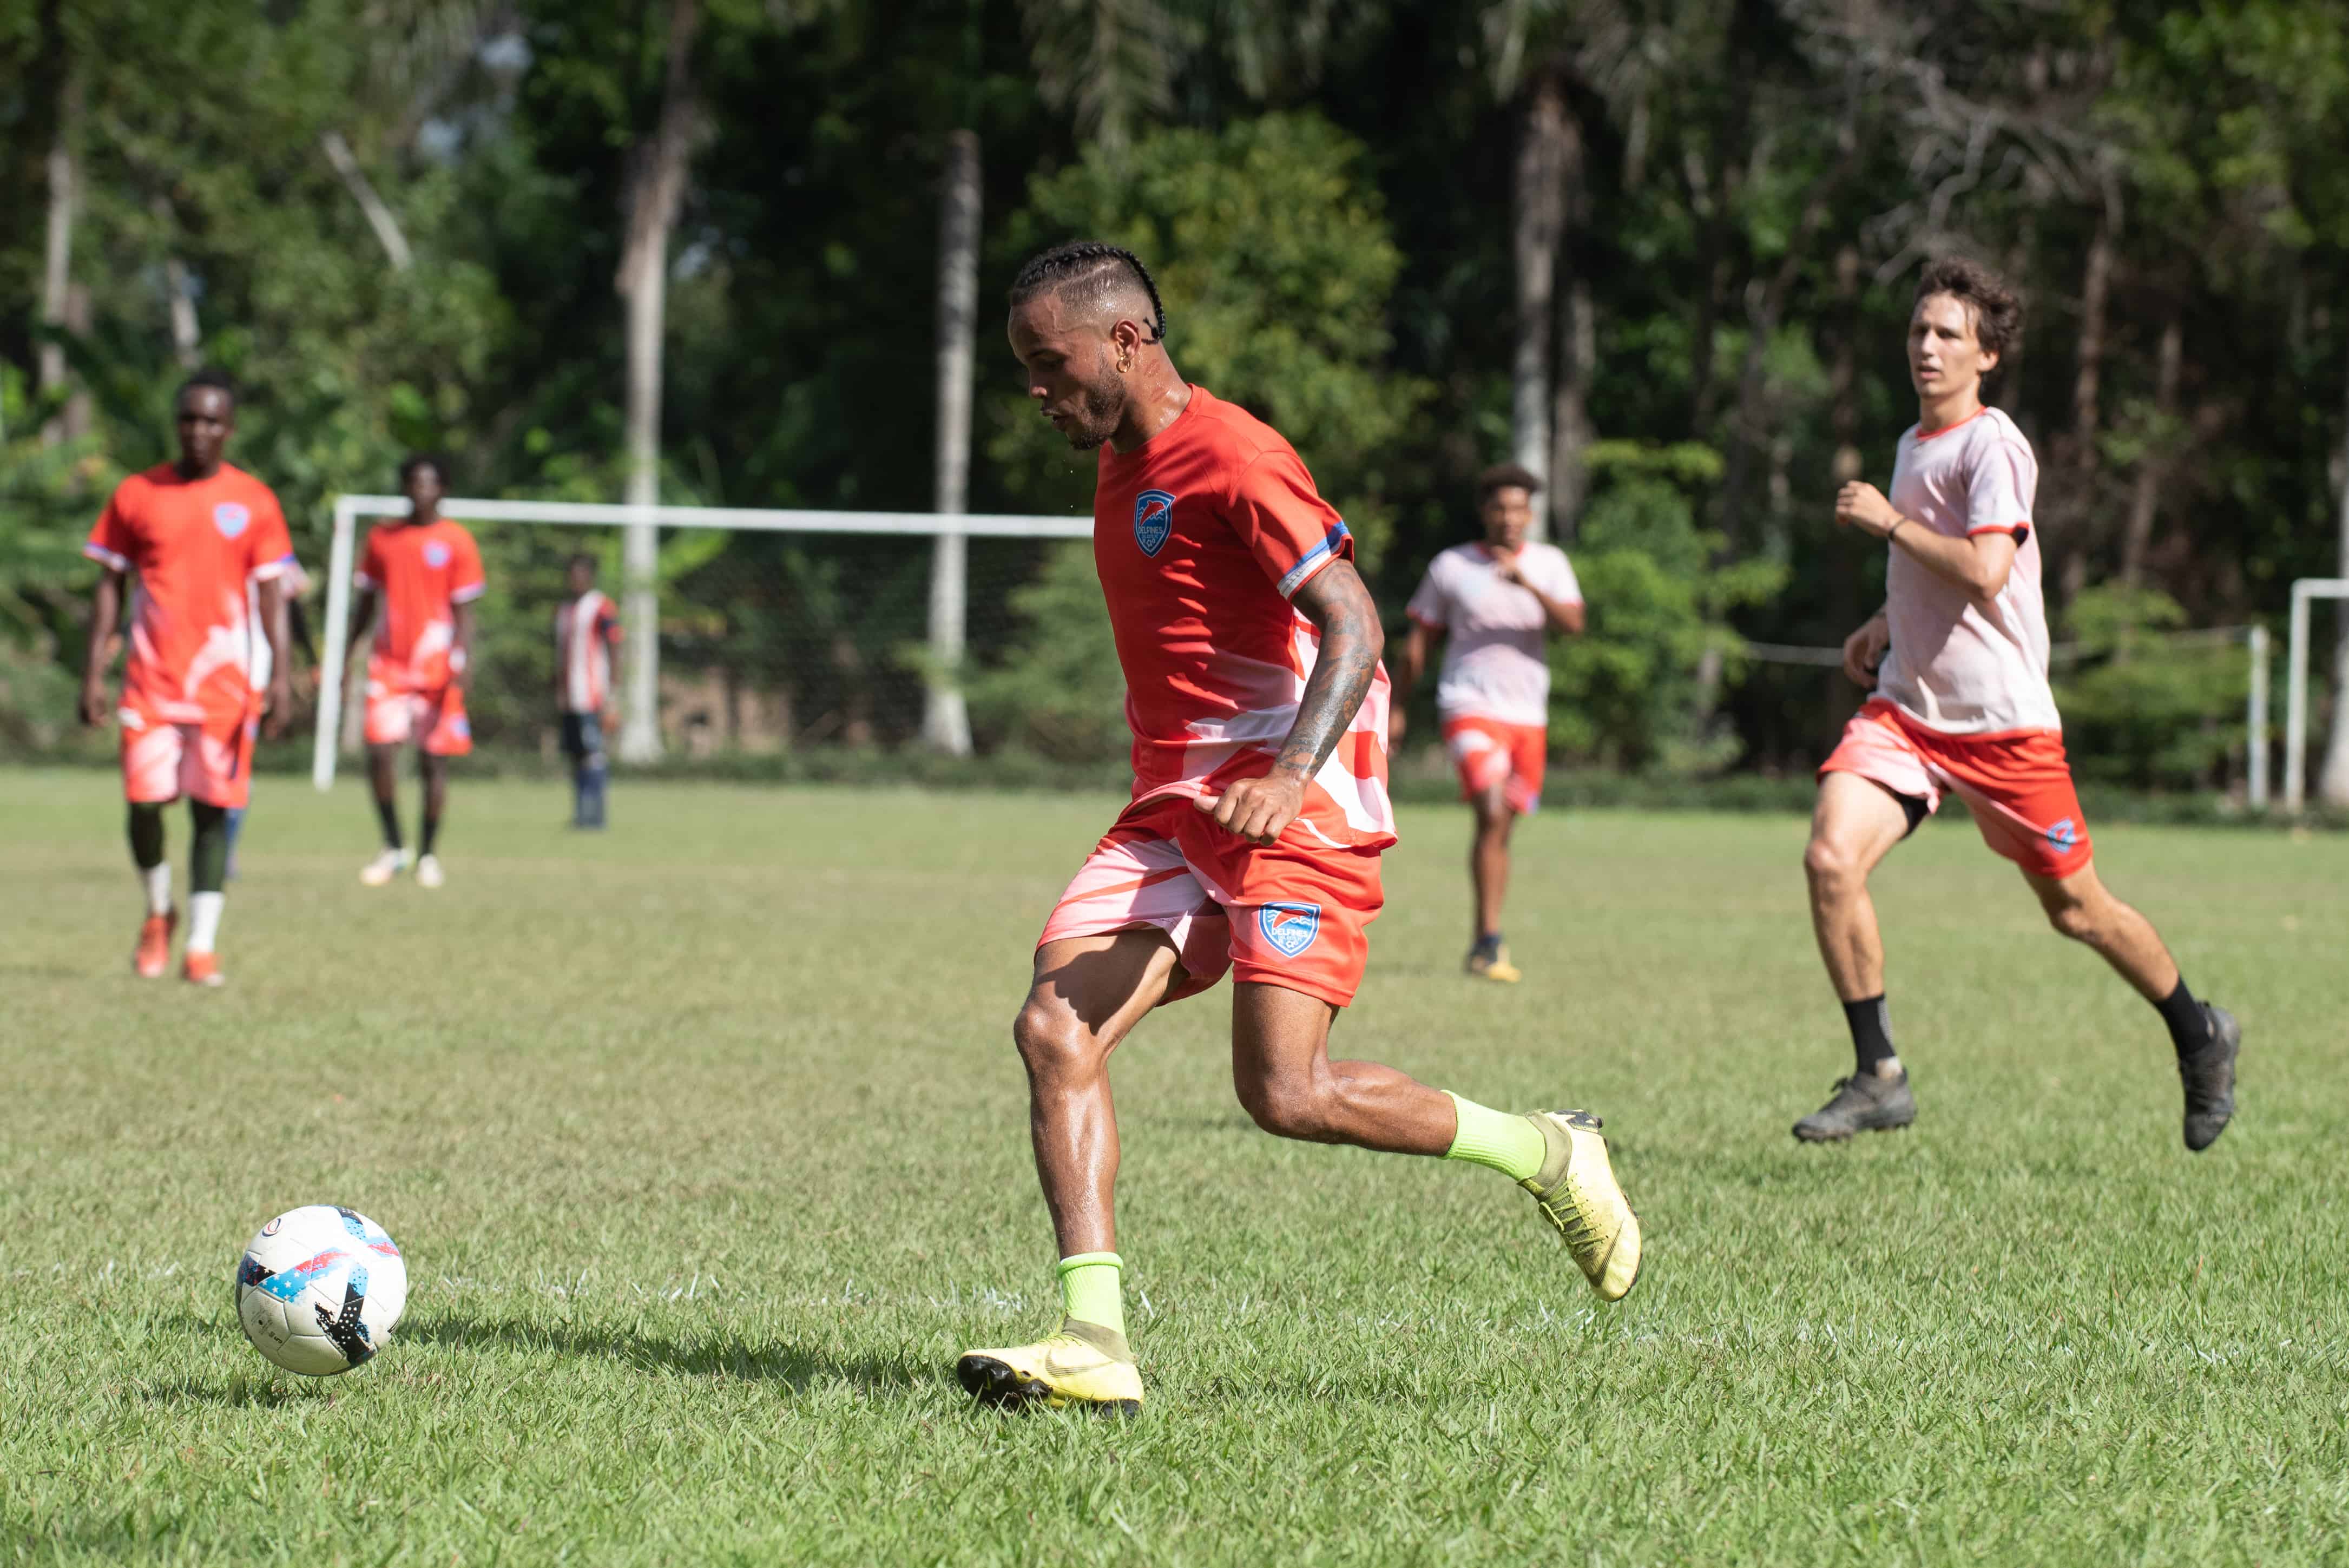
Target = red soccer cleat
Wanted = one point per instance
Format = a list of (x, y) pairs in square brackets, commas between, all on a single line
[(202, 969), (153, 955)]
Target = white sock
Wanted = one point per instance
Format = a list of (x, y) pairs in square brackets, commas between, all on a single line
[(203, 919), (158, 881)]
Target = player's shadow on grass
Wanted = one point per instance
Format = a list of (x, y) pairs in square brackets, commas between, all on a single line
[(775, 1361)]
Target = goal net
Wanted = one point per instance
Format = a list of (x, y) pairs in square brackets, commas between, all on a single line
[(774, 629)]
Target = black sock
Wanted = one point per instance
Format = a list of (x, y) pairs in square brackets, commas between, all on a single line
[(431, 831), (146, 836), (2189, 1025), (1871, 1032), (208, 858), (389, 812)]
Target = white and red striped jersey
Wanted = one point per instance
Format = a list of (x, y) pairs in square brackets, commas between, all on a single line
[(586, 630)]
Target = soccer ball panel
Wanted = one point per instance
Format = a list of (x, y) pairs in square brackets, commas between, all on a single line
[(319, 1289)]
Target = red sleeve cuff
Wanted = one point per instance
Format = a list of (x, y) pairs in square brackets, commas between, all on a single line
[(2020, 531)]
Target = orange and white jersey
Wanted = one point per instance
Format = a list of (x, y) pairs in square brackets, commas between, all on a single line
[(194, 545), (1201, 537), (422, 572), (586, 630)]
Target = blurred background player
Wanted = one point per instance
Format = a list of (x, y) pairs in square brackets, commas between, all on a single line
[(196, 533), (1250, 649), (586, 630), (427, 572), (1957, 662), (1495, 603), (293, 586)]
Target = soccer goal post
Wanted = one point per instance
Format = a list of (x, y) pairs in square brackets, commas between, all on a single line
[(2295, 709), (838, 587)]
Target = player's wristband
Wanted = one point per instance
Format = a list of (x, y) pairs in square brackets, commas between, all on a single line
[(1898, 523)]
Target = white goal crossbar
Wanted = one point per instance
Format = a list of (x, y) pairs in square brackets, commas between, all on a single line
[(2295, 710), (349, 509)]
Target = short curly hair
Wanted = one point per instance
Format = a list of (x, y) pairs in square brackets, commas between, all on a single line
[(1997, 309)]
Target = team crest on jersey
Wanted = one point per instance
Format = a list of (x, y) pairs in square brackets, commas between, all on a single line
[(436, 555), (1289, 927), (1153, 519), (231, 518), (2064, 833)]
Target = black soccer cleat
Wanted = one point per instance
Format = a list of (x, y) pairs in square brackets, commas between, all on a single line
[(2209, 1076), (1863, 1102)]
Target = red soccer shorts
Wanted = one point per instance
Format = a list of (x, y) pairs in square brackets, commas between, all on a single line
[(437, 716), (211, 762), (1488, 752), (2017, 784), (1288, 914)]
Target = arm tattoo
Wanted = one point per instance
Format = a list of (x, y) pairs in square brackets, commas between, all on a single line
[(1340, 608)]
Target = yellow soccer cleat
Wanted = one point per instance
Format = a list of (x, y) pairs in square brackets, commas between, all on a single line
[(1084, 1365), (1489, 960), (1578, 1195)]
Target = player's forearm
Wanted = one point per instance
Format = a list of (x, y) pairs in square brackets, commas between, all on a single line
[(105, 617), (297, 626), (1343, 668), (1565, 616), (1410, 663), (1962, 562), (460, 651), (274, 627)]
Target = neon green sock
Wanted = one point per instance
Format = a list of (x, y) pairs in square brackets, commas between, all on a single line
[(1089, 1289), (1497, 1140)]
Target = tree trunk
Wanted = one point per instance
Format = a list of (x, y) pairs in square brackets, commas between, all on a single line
[(2333, 780), (56, 276), (945, 721), (1732, 136), (654, 190), (2153, 467), (187, 335), (1572, 430), (1549, 142), (378, 216), (1843, 373), (2081, 469)]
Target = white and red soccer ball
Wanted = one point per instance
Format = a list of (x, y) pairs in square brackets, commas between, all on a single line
[(319, 1289)]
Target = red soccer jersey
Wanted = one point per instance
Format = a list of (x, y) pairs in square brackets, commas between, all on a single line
[(194, 543), (422, 570), (586, 630), (1200, 537)]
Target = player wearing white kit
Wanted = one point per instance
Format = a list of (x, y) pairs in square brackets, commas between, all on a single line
[(1958, 661), (1495, 603)]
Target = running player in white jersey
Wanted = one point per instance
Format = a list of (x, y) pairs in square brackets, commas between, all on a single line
[(1958, 661), (1496, 603), (586, 630)]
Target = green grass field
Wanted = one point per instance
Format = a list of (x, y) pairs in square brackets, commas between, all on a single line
[(707, 1150)]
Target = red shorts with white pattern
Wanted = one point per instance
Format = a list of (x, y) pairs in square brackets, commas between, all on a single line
[(1288, 913), (1487, 751), (435, 717), (2017, 784), (164, 759)]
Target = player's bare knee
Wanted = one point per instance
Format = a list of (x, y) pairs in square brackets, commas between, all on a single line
[(1287, 1107), (1831, 865), (1052, 1040), (2074, 919)]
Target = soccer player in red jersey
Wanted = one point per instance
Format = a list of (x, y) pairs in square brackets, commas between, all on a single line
[(586, 630), (1495, 604), (1957, 662), (1251, 650), (427, 572), (195, 532)]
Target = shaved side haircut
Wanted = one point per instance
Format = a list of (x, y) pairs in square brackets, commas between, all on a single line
[(1093, 272)]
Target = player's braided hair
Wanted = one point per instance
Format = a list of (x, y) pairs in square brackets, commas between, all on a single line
[(1084, 261)]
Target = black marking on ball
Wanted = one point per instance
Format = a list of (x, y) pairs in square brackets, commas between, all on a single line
[(344, 1330)]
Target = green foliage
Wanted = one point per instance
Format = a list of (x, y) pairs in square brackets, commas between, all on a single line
[(1629, 693), (1059, 692), (1269, 244), (2147, 709)]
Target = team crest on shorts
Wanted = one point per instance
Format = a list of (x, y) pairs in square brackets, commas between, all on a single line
[(1289, 927), (1153, 519), (231, 517), (2064, 833), (436, 555)]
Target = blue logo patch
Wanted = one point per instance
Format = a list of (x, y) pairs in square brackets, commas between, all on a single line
[(231, 518), (1153, 519), (436, 555), (2064, 833), (1289, 927)]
